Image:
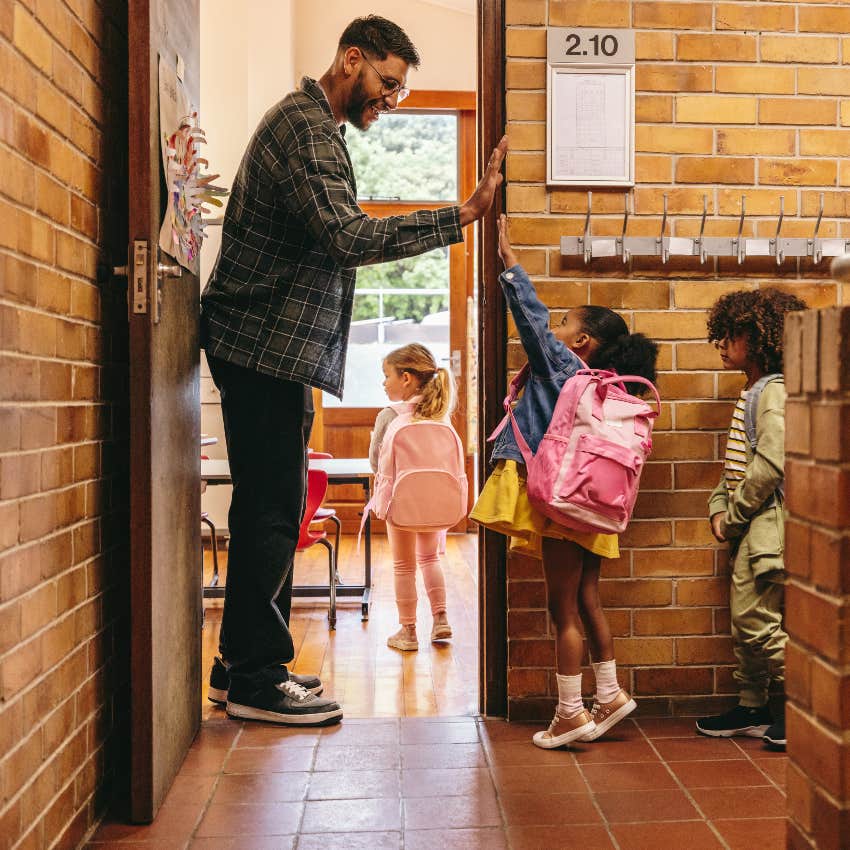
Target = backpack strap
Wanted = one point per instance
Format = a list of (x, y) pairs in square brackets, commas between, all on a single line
[(518, 382), (750, 410), (752, 402)]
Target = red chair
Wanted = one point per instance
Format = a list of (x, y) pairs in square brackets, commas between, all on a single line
[(324, 514), (317, 487)]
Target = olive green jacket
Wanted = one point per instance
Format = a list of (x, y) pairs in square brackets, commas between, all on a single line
[(751, 511)]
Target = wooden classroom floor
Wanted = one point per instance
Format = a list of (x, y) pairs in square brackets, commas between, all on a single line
[(354, 662)]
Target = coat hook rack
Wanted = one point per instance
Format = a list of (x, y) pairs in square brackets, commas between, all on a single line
[(589, 246)]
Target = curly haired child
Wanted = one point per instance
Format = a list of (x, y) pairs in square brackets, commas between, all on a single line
[(747, 506), (600, 338)]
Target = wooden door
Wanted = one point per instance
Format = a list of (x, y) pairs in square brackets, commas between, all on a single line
[(165, 585)]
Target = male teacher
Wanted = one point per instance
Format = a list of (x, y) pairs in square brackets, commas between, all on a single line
[(276, 314)]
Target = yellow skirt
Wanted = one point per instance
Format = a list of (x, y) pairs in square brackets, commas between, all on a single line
[(503, 506)]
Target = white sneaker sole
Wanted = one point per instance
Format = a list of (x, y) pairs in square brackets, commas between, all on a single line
[(601, 728), (248, 712), (559, 740), (219, 697), (441, 633), (744, 732), (403, 645)]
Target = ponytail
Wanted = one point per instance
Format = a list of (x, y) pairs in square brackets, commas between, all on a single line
[(438, 397)]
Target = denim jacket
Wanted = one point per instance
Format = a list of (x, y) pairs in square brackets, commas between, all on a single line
[(551, 363)]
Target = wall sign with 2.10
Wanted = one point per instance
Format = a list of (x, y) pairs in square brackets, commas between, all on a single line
[(584, 45)]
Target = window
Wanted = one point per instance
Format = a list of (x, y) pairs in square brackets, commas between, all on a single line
[(409, 160)]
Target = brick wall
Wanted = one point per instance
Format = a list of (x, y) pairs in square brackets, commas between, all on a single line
[(818, 593), (63, 490), (732, 98)]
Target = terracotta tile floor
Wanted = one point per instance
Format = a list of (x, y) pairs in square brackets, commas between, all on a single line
[(429, 774), (464, 783)]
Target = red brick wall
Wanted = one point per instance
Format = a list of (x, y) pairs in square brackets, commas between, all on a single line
[(818, 594), (732, 98), (63, 492)]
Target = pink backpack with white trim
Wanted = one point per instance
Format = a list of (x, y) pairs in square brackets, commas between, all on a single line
[(421, 481), (586, 472)]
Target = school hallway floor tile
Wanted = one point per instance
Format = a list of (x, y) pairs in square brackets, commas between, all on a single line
[(463, 783)]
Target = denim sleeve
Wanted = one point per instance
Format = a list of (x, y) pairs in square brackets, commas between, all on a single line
[(546, 354)]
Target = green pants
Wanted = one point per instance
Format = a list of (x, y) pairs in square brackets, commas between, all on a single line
[(759, 639)]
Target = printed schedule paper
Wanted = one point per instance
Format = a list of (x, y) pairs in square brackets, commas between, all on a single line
[(590, 107)]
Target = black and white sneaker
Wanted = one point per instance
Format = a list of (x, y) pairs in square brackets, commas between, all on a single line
[(220, 682), (749, 722), (280, 702), (775, 736)]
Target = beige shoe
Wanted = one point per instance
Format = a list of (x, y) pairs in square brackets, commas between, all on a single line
[(562, 730), (608, 714), (441, 630), (404, 639)]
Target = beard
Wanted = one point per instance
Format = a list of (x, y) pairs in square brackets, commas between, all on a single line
[(358, 103)]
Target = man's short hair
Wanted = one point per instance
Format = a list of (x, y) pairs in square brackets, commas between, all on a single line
[(379, 37)]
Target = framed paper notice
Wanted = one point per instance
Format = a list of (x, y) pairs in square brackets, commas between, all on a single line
[(590, 110)]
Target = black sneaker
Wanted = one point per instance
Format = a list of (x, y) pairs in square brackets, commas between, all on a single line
[(751, 722), (280, 702), (775, 736), (220, 682)]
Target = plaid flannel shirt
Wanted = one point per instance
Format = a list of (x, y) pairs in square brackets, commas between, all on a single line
[(280, 295)]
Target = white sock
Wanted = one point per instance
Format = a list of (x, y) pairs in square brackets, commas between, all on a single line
[(569, 695), (607, 686)]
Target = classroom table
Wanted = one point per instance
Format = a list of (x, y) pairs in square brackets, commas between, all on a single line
[(340, 470)]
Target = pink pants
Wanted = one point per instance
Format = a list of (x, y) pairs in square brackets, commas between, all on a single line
[(408, 548)]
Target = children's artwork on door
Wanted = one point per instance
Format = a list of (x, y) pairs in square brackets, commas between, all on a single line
[(182, 231)]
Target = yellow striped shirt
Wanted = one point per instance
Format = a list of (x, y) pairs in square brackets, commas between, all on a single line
[(736, 446)]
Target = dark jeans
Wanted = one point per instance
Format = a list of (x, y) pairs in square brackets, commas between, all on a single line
[(267, 426)]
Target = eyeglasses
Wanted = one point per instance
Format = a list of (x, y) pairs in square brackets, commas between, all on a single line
[(389, 86)]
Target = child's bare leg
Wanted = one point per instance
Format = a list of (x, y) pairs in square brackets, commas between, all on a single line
[(596, 628), (562, 567)]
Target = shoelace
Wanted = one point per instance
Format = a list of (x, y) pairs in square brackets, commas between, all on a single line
[(594, 711), (296, 691)]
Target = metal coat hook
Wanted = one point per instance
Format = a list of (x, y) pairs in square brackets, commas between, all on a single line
[(739, 243), (621, 246), (814, 246), (585, 242), (702, 254), (780, 254), (662, 248)]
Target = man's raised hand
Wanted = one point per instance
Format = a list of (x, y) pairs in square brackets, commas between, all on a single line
[(482, 198)]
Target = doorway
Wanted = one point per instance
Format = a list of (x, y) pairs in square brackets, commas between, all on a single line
[(432, 299)]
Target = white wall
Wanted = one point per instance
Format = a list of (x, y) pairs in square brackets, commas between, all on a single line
[(445, 37), (247, 65)]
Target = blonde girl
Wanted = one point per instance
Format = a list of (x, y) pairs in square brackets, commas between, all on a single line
[(411, 376)]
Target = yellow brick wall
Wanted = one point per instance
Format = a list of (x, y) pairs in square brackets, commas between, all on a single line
[(63, 500), (732, 98)]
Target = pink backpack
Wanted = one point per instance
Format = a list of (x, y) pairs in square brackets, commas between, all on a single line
[(421, 482), (586, 472)]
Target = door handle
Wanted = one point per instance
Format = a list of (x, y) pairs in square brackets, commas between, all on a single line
[(165, 270)]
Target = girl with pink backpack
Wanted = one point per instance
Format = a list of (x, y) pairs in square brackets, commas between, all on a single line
[(588, 337), (420, 483)]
